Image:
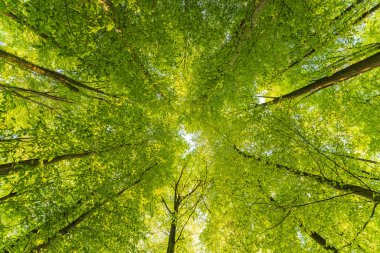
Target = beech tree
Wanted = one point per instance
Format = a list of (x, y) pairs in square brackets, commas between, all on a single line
[(189, 126)]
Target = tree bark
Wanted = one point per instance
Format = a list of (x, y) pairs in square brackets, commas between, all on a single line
[(33, 92), (72, 225), (369, 194), (358, 68), (7, 168), (15, 167), (174, 215), (342, 14), (172, 239), (247, 25), (8, 196), (67, 81), (367, 13), (313, 234)]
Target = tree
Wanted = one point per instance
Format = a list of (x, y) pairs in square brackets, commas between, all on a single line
[(189, 126)]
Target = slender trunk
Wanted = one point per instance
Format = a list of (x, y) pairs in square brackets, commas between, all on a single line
[(114, 12), (8, 196), (21, 139), (358, 68), (348, 9), (313, 234), (342, 14), (22, 23), (319, 239), (173, 226), (7, 168), (356, 190), (172, 235), (367, 13), (15, 167), (247, 25), (67, 81), (72, 225), (33, 92), (357, 158)]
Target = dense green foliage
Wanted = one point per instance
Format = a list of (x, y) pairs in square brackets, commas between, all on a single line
[(195, 126)]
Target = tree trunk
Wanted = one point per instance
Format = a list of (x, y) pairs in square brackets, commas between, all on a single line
[(8, 196), (172, 235), (354, 189), (341, 15), (247, 25), (173, 226), (65, 230), (358, 68), (322, 241), (67, 81), (33, 92), (367, 13), (5, 169), (313, 234)]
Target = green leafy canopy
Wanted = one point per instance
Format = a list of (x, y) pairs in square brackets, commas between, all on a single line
[(189, 126)]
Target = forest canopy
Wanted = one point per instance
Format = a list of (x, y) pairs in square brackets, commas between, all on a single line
[(189, 126)]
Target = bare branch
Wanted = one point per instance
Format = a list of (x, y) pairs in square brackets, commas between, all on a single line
[(166, 206)]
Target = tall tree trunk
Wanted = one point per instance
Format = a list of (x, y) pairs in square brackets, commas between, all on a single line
[(354, 189), (18, 20), (367, 13), (358, 68), (33, 92), (15, 167), (73, 224), (8, 196), (173, 226), (67, 81), (172, 238), (313, 234), (341, 15), (5, 169), (247, 25), (320, 240)]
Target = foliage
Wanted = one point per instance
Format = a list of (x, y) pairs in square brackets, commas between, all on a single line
[(196, 126)]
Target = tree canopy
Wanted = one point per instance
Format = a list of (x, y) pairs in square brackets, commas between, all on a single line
[(189, 126)]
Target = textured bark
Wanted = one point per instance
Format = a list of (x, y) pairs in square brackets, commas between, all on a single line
[(15, 167), (348, 9), (351, 71), (67, 81), (18, 20), (354, 189), (174, 215), (7, 168)]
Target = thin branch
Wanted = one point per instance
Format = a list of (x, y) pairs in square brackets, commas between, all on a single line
[(166, 206)]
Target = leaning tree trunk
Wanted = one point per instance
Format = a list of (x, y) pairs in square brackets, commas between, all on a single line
[(318, 238), (67, 81), (72, 225), (311, 51), (15, 167), (369, 194), (358, 68)]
